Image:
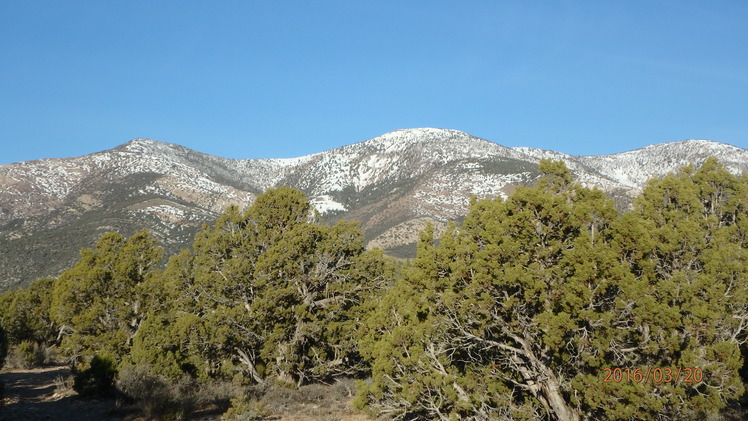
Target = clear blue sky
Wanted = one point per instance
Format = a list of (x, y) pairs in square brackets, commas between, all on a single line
[(250, 79)]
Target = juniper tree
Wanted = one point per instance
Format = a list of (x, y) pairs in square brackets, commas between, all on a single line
[(688, 307), (97, 303), (25, 313), (201, 325), (264, 292), (518, 314), (311, 286)]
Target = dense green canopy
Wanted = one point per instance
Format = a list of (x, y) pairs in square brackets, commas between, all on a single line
[(522, 312), (264, 293)]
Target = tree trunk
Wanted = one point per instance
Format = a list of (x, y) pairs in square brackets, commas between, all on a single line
[(552, 393), (246, 360), (550, 388)]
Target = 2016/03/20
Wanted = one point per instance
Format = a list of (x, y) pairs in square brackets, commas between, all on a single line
[(656, 375)]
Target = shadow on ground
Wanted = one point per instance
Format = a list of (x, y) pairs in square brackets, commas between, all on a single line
[(35, 395)]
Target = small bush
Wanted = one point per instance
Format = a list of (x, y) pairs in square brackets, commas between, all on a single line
[(318, 400), (63, 386), (281, 399), (29, 354), (18, 357), (243, 410), (343, 389), (155, 395), (98, 379), (220, 394)]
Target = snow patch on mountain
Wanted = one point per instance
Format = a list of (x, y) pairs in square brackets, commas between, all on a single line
[(325, 203), (393, 184), (635, 168)]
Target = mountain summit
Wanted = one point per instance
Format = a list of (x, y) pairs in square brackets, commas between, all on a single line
[(394, 184)]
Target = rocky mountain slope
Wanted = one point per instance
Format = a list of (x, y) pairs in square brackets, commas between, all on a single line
[(393, 184)]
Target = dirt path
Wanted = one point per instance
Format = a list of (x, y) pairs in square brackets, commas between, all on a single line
[(34, 395), (39, 394)]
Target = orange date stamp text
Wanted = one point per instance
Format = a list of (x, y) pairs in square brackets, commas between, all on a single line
[(654, 375)]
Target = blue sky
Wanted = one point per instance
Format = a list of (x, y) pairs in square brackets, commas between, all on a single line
[(246, 79)]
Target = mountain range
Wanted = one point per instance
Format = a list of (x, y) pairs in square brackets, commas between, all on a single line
[(393, 184)]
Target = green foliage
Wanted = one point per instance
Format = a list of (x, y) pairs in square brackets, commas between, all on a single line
[(28, 328), (556, 177), (517, 314), (25, 313), (98, 303), (311, 286), (686, 244), (97, 380), (27, 354), (263, 293)]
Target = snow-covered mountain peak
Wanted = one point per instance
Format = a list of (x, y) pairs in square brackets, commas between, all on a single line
[(399, 140), (696, 142), (150, 147), (420, 134), (634, 168), (682, 147), (141, 145), (393, 184)]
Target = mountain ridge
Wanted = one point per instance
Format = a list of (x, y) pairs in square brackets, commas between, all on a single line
[(394, 184)]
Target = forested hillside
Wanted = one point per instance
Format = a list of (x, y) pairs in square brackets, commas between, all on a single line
[(550, 304)]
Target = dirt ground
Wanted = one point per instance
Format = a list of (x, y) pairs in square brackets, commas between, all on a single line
[(34, 395), (43, 394)]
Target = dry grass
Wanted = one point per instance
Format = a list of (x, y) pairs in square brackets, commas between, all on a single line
[(312, 402), (63, 387)]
